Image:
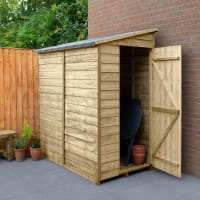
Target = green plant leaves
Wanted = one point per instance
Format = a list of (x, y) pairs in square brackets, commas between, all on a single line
[(26, 132), (42, 23), (35, 143), (20, 143)]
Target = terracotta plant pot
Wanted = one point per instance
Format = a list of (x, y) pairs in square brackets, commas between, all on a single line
[(19, 154), (138, 154), (35, 153)]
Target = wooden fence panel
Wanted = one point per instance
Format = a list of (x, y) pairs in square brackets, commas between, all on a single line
[(18, 89)]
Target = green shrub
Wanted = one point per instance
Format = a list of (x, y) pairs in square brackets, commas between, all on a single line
[(20, 143), (36, 143), (26, 132)]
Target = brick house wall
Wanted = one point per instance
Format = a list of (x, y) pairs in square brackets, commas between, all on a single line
[(178, 22)]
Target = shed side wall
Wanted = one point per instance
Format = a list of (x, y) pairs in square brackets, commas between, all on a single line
[(51, 105), (81, 112)]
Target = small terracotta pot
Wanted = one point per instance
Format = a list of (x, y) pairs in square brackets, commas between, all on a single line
[(139, 148), (35, 153), (19, 154), (138, 154)]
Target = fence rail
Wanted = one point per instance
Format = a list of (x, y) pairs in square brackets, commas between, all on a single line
[(18, 89)]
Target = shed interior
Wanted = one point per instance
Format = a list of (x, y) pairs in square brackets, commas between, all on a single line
[(134, 84)]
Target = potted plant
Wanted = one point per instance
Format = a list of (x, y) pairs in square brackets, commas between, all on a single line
[(35, 149), (27, 135), (20, 149)]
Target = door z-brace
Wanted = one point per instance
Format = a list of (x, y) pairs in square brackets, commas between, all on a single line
[(164, 135)]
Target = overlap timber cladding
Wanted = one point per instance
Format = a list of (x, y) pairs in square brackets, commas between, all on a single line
[(81, 112), (69, 105), (18, 89), (51, 88), (178, 23), (109, 59)]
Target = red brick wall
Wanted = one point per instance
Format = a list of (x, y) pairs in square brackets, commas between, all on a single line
[(178, 22)]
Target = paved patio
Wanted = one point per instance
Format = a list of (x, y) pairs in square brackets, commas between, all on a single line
[(44, 180)]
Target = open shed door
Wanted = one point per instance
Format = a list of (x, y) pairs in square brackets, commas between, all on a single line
[(166, 109)]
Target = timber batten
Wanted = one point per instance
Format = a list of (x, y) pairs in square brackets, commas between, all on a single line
[(81, 88)]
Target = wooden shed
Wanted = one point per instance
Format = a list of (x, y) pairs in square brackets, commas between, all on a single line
[(81, 87)]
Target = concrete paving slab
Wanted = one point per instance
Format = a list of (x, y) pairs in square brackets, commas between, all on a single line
[(44, 180)]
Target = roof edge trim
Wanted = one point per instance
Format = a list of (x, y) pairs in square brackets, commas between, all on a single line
[(91, 42)]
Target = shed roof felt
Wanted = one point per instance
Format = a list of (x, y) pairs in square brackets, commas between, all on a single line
[(94, 41)]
